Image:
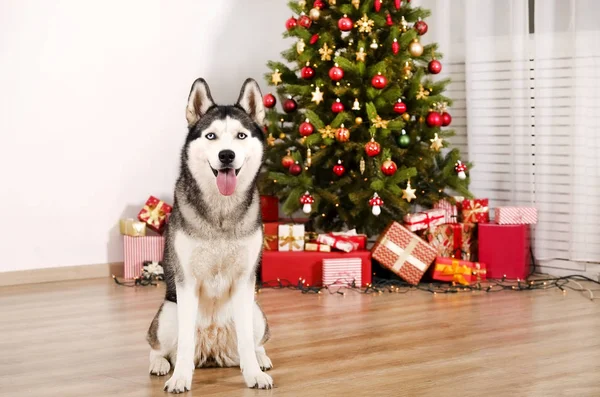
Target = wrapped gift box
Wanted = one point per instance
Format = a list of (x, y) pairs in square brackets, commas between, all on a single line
[(132, 227), (404, 253), (515, 215), (155, 214), (475, 211), (450, 210), (270, 232), (290, 237), (353, 236), (317, 247), (424, 220), (340, 243), (453, 240), (342, 271), (292, 266), (505, 250), (137, 250), (458, 271), (269, 208)]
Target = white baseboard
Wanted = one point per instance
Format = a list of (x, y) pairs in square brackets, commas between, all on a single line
[(561, 268), (35, 276)]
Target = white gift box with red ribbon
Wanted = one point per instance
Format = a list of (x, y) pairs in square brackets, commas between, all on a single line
[(516, 215)]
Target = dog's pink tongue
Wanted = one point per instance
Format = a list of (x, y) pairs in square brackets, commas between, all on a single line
[(226, 180)]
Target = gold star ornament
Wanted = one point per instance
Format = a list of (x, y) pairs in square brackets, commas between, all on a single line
[(361, 54), (365, 25), (408, 194), (378, 122), (317, 96), (325, 52), (276, 77), (436, 143), (327, 132)]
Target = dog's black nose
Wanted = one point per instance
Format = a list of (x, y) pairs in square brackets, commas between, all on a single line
[(226, 156)]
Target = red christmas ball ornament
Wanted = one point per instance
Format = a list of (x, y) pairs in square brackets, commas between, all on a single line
[(290, 105), (339, 169), (434, 66), (388, 20), (287, 161), (291, 23), (318, 4), (269, 100), (336, 73), (337, 106), (379, 81), (421, 27), (306, 128), (345, 24), (389, 168), (377, 5), (395, 47), (400, 107), (397, 4), (342, 134), (304, 21), (295, 169), (314, 39), (372, 148), (446, 119), (307, 72), (434, 119)]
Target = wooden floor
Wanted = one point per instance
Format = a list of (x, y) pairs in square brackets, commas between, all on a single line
[(86, 338)]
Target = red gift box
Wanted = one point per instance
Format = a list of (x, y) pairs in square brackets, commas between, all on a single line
[(308, 266), (404, 253), (452, 240), (425, 219), (137, 250), (505, 250), (270, 230), (155, 213), (458, 271), (338, 242), (475, 211), (269, 208)]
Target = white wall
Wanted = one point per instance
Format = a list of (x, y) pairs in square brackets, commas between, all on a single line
[(92, 97)]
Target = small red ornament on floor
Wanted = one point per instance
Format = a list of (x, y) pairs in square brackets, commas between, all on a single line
[(372, 148), (345, 24), (269, 100), (304, 21), (395, 47), (434, 119), (421, 27), (314, 39), (400, 107), (388, 20), (307, 72), (377, 5), (434, 66), (379, 81), (336, 73), (289, 105), (388, 167), (342, 134), (337, 106), (291, 23), (306, 128), (295, 169), (446, 119), (339, 169), (287, 161)]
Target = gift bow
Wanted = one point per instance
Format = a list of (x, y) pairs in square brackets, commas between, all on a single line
[(268, 238), (477, 209), (455, 270), (155, 215), (290, 240)]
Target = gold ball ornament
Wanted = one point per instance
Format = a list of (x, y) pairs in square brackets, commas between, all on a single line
[(314, 14), (421, 119), (415, 48), (342, 134), (406, 117), (281, 136), (358, 120)]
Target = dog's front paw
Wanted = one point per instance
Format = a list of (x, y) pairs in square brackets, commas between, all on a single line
[(160, 366), (258, 380), (264, 361), (178, 383)]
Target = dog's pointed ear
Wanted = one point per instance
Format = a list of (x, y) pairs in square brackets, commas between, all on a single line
[(199, 102), (251, 101)]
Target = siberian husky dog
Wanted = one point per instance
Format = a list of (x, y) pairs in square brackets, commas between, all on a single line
[(213, 244)]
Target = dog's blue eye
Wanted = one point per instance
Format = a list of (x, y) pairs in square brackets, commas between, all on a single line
[(242, 135), (210, 136)]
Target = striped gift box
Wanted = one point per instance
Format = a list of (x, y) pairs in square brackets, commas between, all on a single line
[(516, 216), (342, 271), (140, 249)]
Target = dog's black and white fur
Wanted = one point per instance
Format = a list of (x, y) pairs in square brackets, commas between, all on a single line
[(213, 245)]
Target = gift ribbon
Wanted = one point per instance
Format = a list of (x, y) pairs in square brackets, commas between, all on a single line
[(317, 247), (428, 219), (478, 271), (268, 238), (290, 240), (456, 270), (154, 215), (404, 254), (472, 212)]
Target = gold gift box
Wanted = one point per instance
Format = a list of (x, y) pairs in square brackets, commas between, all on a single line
[(132, 227)]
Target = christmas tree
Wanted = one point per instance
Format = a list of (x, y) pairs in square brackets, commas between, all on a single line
[(359, 142)]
